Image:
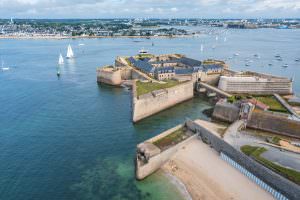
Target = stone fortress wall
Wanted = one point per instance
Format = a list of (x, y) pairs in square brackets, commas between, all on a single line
[(160, 157), (148, 104), (254, 83), (262, 120), (109, 75), (277, 182)]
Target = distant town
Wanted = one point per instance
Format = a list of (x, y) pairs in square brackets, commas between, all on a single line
[(142, 27)]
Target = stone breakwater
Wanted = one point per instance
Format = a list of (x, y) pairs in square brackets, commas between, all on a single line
[(151, 103)]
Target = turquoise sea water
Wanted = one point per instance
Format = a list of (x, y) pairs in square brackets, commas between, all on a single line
[(71, 138)]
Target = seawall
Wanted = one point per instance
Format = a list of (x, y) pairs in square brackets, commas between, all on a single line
[(159, 158), (286, 187), (148, 104)]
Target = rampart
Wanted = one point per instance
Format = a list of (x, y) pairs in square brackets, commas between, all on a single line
[(262, 120), (275, 123), (109, 75), (151, 103), (286, 187), (158, 158)]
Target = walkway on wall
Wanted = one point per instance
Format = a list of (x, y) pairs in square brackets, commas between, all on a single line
[(286, 105), (144, 75), (124, 62), (232, 131)]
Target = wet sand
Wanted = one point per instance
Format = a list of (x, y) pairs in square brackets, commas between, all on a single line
[(206, 176)]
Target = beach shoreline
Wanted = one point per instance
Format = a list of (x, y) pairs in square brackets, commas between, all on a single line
[(90, 37), (206, 175)]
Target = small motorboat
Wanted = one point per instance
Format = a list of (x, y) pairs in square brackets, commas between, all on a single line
[(236, 54), (277, 56), (270, 64), (256, 56), (297, 60), (4, 68), (285, 65)]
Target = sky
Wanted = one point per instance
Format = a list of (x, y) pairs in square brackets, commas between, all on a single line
[(149, 8)]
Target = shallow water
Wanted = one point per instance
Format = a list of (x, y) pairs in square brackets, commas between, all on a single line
[(73, 139)]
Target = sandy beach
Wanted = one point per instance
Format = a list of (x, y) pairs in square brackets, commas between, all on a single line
[(206, 176)]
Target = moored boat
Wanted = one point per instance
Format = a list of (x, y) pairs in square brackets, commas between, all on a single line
[(70, 53), (60, 60)]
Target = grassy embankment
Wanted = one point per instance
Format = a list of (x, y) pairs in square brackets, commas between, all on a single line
[(276, 140), (171, 139), (255, 153), (146, 87), (270, 101), (273, 103)]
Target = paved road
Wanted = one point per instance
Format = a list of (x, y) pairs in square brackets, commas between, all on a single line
[(284, 158)]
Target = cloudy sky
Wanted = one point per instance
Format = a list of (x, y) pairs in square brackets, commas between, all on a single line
[(149, 8)]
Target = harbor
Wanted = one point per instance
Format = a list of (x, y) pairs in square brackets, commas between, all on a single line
[(66, 133)]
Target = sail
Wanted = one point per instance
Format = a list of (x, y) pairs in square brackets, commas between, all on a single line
[(70, 53), (201, 49), (60, 60)]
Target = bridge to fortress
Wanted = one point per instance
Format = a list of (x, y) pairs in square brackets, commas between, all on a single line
[(204, 87)]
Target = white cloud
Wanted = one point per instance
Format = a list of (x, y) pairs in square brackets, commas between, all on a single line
[(174, 9), (145, 8)]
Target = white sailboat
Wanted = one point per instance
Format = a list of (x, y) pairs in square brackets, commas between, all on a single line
[(4, 68), (225, 39), (70, 53), (201, 48), (60, 60), (217, 38)]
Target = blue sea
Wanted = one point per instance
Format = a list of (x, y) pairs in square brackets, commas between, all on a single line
[(71, 138)]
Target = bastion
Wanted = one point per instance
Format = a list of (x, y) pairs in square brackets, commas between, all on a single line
[(261, 120), (109, 75), (153, 102)]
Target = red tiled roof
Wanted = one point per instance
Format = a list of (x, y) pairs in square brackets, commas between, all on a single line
[(258, 104)]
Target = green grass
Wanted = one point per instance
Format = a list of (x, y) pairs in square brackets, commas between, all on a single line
[(255, 153), (146, 87), (272, 102), (276, 140), (171, 139), (142, 56)]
